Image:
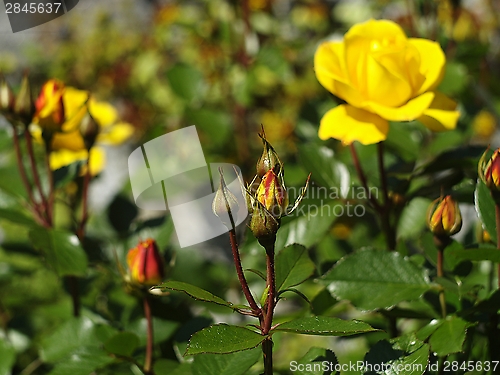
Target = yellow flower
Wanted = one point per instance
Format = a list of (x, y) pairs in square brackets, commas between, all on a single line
[(383, 76), (68, 145), (50, 106)]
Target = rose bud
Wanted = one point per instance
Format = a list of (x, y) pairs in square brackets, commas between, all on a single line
[(443, 217), (489, 170), (145, 263), (50, 114), (7, 98), (24, 106)]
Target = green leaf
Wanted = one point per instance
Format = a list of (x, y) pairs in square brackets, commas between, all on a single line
[(82, 362), (7, 357), (315, 362), (455, 79), (325, 326), (449, 337), (62, 250), (404, 142), (392, 360), (194, 292), (293, 266), (223, 339), (225, 364), (72, 335), (465, 157), (16, 217), (482, 253), (185, 81), (373, 279), (123, 344), (324, 168), (485, 208), (413, 218)]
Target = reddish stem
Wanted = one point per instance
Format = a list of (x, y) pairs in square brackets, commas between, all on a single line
[(149, 344), (241, 276)]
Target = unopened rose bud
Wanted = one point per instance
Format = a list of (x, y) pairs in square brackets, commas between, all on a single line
[(7, 98), (24, 106), (225, 203), (145, 263), (263, 225), (489, 170), (272, 194), (269, 159), (443, 217), (89, 129), (50, 112)]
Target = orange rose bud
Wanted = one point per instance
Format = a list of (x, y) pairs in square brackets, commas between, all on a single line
[(49, 106), (489, 171), (145, 263), (443, 217)]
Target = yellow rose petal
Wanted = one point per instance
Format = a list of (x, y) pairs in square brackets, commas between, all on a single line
[(441, 114), (376, 29), (384, 87), (116, 134), (68, 141), (408, 112), (97, 160), (432, 62), (63, 158), (74, 107), (104, 113), (349, 124), (329, 64)]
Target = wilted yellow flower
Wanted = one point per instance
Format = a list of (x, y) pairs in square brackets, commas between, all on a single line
[(443, 217), (383, 76), (68, 144)]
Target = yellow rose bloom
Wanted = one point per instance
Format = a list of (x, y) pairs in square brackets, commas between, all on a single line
[(68, 145), (383, 76)]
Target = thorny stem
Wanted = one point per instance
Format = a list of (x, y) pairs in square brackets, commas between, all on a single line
[(493, 334), (385, 210), (241, 276), (267, 344), (85, 193), (34, 170), (27, 185), (50, 208), (440, 273), (149, 344), (362, 178)]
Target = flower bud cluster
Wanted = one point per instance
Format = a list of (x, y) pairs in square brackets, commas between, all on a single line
[(20, 107)]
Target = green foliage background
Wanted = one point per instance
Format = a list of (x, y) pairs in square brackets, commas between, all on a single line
[(227, 70)]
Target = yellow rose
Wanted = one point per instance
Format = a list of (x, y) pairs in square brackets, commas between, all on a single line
[(68, 145), (383, 76)]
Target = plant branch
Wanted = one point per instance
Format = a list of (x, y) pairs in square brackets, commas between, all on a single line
[(267, 344), (80, 232), (239, 270), (385, 210), (362, 178), (24, 178), (34, 170), (149, 344)]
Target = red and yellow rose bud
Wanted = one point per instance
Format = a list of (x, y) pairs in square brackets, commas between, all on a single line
[(272, 194), (489, 170), (146, 264), (50, 113), (24, 106), (443, 217)]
